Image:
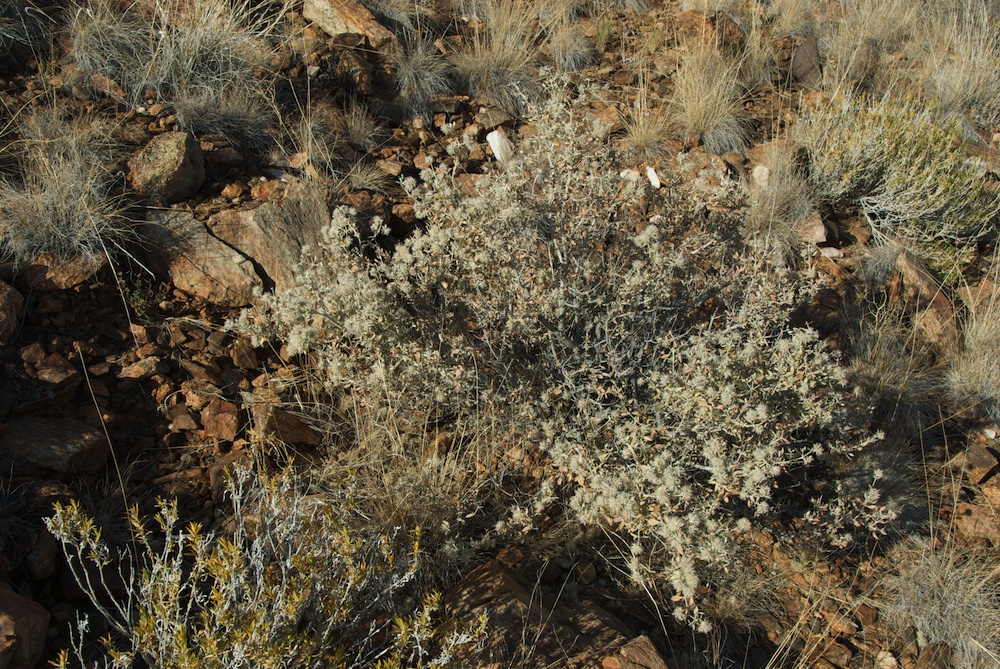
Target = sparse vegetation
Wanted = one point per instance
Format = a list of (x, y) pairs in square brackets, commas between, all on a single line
[(610, 354), (201, 58)]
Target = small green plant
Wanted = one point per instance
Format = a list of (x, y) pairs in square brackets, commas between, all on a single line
[(707, 103), (63, 205), (904, 166), (296, 582)]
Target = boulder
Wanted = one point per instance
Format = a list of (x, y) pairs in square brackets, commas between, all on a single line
[(337, 17), (23, 626), (805, 68), (11, 310), (198, 263), (171, 165), (64, 445), (274, 233)]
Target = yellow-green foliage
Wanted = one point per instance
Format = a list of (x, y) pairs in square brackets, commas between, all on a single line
[(296, 583), (906, 168)]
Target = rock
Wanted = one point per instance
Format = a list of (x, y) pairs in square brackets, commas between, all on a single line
[(337, 17), (977, 521), (61, 444), (57, 372), (977, 462), (43, 557), (521, 621), (716, 30), (221, 420), (639, 653), (356, 71), (275, 233), (11, 310), (23, 626), (837, 654), (761, 175), (935, 656), (885, 660), (917, 287), (47, 273), (812, 230), (144, 369), (271, 420), (198, 263), (171, 165), (805, 67)]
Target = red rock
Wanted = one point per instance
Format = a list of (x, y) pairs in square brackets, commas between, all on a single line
[(23, 626), (56, 370), (243, 355), (51, 442), (221, 420), (144, 369), (977, 463), (47, 273), (337, 17), (11, 311)]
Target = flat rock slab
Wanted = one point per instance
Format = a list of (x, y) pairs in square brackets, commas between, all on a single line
[(198, 263), (275, 233), (64, 445), (337, 17)]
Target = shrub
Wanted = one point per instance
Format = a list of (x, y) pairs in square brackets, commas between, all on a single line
[(199, 57), (297, 582), (539, 309), (64, 204), (707, 101), (905, 168)]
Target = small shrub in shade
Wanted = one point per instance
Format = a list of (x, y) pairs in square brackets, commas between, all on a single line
[(902, 165), (297, 582)]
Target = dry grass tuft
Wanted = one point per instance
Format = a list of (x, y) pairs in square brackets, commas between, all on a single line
[(646, 127), (422, 73), (496, 61), (779, 205), (63, 205), (951, 595), (707, 102)]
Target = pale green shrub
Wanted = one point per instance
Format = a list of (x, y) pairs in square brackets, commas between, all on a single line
[(63, 204), (298, 582), (537, 306), (902, 165)]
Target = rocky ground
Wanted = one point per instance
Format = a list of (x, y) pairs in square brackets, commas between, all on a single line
[(120, 385)]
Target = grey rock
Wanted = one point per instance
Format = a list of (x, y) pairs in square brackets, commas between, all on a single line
[(57, 443), (171, 165), (198, 263), (805, 67), (274, 233)]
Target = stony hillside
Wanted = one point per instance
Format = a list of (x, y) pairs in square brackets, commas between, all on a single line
[(499, 333)]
